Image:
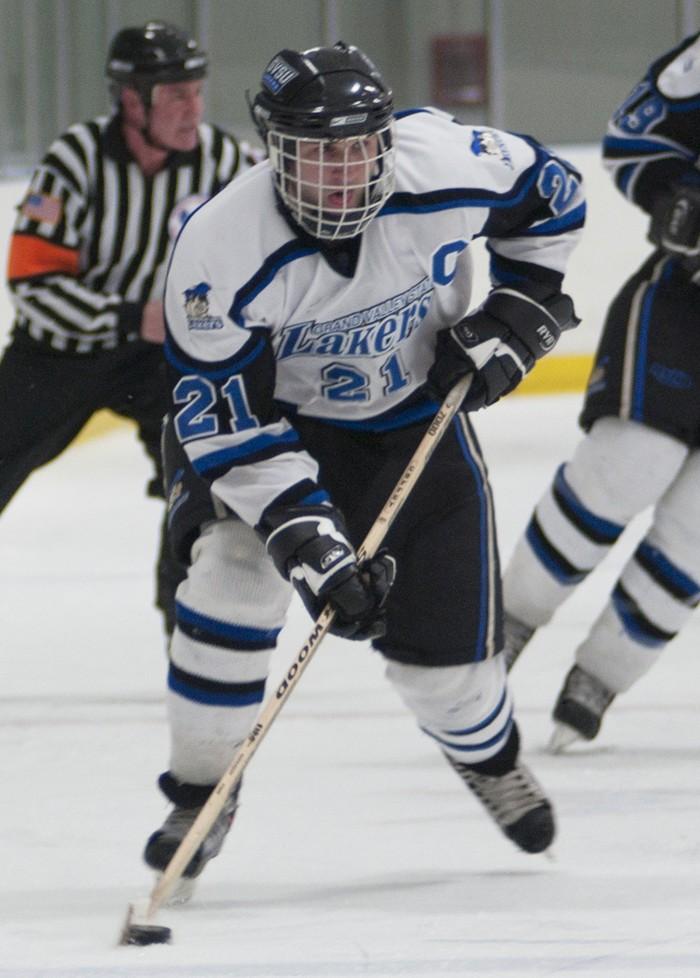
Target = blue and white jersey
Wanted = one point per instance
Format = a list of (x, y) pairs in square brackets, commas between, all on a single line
[(262, 325), (653, 138)]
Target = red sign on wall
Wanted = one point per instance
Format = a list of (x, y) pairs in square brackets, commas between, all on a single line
[(459, 70)]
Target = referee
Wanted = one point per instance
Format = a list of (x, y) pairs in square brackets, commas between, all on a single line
[(88, 258)]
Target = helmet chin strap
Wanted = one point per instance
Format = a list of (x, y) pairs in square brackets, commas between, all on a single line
[(150, 141), (145, 130)]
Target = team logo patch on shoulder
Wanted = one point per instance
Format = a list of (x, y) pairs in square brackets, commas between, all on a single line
[(43, 208), (487, 142), (197, 308)]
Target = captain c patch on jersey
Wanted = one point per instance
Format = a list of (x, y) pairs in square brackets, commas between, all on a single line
[(197, 308)]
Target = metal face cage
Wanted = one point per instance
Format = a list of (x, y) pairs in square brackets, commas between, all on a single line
[(333, 187)]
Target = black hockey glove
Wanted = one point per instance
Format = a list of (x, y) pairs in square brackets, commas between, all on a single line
[(499, 343), (312, 551), (675, 226)]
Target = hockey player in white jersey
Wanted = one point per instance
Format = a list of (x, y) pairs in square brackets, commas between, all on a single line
[(317, 315), (642, 418)]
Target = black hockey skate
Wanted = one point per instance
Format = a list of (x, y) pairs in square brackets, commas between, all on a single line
[(515, 801), (579, 710), (516, 635), (164, 842)]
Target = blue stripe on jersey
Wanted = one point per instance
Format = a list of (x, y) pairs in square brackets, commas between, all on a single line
[(197, 689), (502, 268), (402, 113), (440, 200), (646, 147), (682, 106), (563, 222), (242, 454), (401, 420), (216, 632), (214, 371), (667, 574), (400, 417), (624, 175), (509, 271), (289, 252), (315, 498)]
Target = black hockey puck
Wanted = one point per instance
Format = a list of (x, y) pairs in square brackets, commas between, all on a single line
[(142, 934)]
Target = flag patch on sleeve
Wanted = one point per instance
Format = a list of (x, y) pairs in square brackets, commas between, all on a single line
[(43, 208)]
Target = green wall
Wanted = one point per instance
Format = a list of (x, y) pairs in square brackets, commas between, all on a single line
[(557, 69)]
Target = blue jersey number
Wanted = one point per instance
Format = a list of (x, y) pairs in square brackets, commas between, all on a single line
[(557, 185), (344, 383), (394, 373), (198, 418), (195, 419), (341, 383), (641, 110)]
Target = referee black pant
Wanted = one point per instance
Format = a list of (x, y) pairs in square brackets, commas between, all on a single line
[(46, 399)]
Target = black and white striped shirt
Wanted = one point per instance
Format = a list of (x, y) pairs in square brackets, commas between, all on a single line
[(93, 235)]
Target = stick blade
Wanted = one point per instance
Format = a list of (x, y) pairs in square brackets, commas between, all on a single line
[(137, 932)]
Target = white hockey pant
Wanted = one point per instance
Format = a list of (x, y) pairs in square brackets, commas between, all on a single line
[(230, 609), (467, 709)]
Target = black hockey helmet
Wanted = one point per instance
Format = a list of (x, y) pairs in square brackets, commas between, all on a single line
[(325, 96), (155, 53), (328, 92)]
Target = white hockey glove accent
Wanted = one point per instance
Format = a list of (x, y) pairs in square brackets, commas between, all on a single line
[(675, 226), (313, 552), (499, 344)]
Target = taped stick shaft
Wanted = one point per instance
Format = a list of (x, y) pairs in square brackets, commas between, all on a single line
[(217, 799)]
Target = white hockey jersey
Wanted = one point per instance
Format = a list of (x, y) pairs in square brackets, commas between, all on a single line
[(261, 326)]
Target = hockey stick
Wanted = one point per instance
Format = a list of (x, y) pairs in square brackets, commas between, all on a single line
[(139, 928)]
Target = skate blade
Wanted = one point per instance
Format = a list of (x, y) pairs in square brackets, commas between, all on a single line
[(139, 930), (182, 892), (562, 737)]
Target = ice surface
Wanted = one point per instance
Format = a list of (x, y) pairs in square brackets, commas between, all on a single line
[(356, 851)]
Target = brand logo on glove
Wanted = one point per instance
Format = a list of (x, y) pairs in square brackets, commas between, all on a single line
[(547, 341), (332, 556), (679, 215), (466, 335)]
